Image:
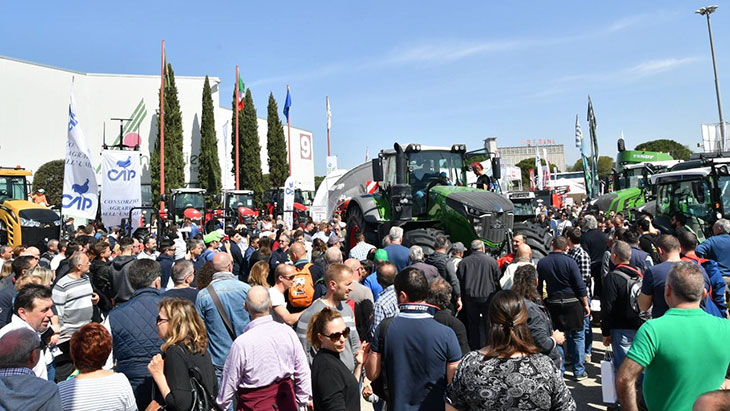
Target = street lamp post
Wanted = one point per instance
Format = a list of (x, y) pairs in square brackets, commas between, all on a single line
[(706, 11)]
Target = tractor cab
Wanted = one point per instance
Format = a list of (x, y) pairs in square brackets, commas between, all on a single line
[(13, 184), (239, 204), (186, 203)]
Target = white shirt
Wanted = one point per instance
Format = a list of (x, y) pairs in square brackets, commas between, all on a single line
[(56, 261), (46, 357), (143, 255)]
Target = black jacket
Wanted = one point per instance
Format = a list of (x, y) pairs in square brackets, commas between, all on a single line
[(594, 242), (101, 282), (541, 329), (479, 276), (239, 263), (446, 318), (120, 279), (446, 270), (616, 311)]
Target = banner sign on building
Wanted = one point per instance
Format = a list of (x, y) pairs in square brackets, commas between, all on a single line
[(121, 186), (289, 202), (80, 191)]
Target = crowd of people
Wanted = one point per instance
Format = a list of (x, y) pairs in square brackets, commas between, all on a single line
[(264, 316)]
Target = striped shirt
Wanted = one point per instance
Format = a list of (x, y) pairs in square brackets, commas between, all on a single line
[(72, 298), (347, 356), (110, 393)]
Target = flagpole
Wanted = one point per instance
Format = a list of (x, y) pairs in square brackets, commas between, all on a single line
[(327, 98), (162, 129), (237, 146), (288, 128)]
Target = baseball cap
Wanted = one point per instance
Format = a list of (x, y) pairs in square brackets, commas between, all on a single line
[(40, 190), (381, 255), (212, 236), (458, 247), (476, 165)]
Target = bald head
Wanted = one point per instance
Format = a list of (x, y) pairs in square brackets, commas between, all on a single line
[(33, 251), (523, 252), (355, 266), (222, 262), (297, 251), (258, 301), (333, 255)]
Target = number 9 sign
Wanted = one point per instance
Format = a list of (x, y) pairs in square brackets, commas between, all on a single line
[(305, 146)]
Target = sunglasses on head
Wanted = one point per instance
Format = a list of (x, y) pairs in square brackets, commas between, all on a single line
[(334, 337)]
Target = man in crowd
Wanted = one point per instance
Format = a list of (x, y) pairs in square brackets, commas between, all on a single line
[(20, 266), (32, 310), (457, 254), (251, 374), (150, 249), (397, 253), (688, 245), (233, 247), (639, 258), (338, 280), (183, 274), (581, 257), (440, 259), (121, 288), (134, 329), (417, 354), (619, 319), (479, 278), (212, 243), (386, 305), (416, 256), (298, 255), (285, 274), (166, 260), (359, 292), (567, 301), (648, 238), (253, 245), (74, 300), (361, 249), (60, 255), (100, 275), (523, 256), (517, 240), (20, 388), (196, 247), (670, 349), (371, 281), (221, 307), (51, 251), (593, 241), (281, 254), (6, 253), (323, 232), (717, 248)]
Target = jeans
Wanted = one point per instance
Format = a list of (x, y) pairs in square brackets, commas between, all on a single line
[(575, 344), (588, 333), (621, 340)]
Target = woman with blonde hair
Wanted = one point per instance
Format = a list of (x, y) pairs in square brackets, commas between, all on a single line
[(258, 274), (186, 346), (509, 373), (6, 274)]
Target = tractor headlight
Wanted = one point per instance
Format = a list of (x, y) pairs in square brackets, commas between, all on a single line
[(57, 223), (27, 222)]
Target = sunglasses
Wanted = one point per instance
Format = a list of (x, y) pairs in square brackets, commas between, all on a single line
[(161, 320), (334, 337), (291, 277)]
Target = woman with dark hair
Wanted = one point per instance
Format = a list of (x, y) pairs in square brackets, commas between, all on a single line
[(538, 317), (94, 388), (186, 345), (509, 373), (204, 276), (334, 387), (319, 247)]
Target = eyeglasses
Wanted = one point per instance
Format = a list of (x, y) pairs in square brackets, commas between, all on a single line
[(161, 320), (334, 337), (289, 278)]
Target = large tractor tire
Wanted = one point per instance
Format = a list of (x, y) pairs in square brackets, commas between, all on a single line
[(424, 237), (537, 237), (356, 224)]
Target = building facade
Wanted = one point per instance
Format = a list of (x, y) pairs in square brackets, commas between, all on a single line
[(513, 155)]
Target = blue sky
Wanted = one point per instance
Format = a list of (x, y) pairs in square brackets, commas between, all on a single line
[(432, 72)]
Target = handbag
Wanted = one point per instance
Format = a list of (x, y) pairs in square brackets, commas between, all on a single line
[(608, 379)]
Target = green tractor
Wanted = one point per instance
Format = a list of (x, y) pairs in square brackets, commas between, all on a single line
[(424, 190)]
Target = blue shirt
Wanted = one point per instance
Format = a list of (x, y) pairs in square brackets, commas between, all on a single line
[(717, 248), (398, 255), (372, 283), (417, 350), (561, 276), (653, 284)]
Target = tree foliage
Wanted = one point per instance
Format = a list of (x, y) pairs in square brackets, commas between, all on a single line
[(528, 163), (250, 173), (209, 170), (174, 159), (49, 177), (605, 165), (276, 146), (676, 150)]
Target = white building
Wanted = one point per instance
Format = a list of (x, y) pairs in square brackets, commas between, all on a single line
[(34, 119)]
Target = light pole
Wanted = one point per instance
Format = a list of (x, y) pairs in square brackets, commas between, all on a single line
[(706, 11)]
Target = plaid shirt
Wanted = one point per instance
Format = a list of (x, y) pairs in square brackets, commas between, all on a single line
[(385, 307), (6, 372), (584, 262), (361, 250)]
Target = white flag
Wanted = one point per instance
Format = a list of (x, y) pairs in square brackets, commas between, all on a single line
[(538, 169), (329, 115), (547, 164), (121, 186), (578, 135), (289, 202), (80, 191)]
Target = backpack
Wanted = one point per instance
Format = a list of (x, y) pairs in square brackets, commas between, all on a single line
[(633, 289), (301, 293)]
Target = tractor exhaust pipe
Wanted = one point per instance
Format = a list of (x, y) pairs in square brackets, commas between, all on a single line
[(400, 164), (401, 198)]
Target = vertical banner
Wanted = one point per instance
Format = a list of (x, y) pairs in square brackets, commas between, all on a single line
[(289, 202), (331, 164), (533, 186), (80, 191), (121, 186)]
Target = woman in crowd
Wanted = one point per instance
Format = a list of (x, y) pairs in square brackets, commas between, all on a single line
[(318, 249), (508, 374), (94, 388), (186, 344), (36, 275), (334, 387), (258, 274), (205, 275), (538, 317)]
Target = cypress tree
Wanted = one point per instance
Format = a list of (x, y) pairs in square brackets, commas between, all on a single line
[(174, 160), (209, 170), (276, 146), (250, 177)]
